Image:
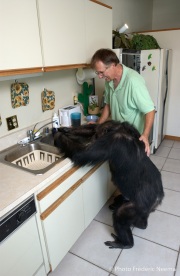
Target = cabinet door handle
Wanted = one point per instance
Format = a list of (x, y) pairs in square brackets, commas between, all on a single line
[(53, 206), (89, 173), (56, 183)]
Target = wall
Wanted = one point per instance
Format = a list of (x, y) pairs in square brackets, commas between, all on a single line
[(137, 14), (166, 14), (63, 83), (143, 15)]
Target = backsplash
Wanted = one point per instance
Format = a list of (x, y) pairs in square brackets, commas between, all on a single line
[(13, 138), (64, 85)]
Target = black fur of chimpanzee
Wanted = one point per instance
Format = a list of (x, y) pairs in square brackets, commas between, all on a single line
[(133, 173)]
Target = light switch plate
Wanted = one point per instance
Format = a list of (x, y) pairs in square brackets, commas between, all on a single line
[(12, 122)]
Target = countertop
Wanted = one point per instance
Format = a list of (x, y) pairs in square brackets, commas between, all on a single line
[(17, 185)]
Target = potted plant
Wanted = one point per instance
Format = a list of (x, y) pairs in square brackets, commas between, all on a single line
[(93, 107), (121, 40), (134, 41)]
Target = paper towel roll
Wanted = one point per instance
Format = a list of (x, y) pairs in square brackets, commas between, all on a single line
[(84, 74)]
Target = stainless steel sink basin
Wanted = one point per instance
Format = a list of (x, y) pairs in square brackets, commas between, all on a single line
[(36, 158), (48, 139)]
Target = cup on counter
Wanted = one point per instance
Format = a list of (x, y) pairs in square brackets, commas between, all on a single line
[(75, 119)]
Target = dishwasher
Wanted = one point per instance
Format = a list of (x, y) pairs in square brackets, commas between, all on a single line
[(20, 248)]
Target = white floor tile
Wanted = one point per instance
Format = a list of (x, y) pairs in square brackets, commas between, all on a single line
[(158, 161), (90, 246), (172, 165), (171, 203), (162, 151), (174, 153), (146, 258), (178, 267), (73, 265), (176, 144), (167, 143), (171, 180), (162, 229)]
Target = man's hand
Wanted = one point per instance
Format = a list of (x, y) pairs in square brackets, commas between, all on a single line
[(146, 142)]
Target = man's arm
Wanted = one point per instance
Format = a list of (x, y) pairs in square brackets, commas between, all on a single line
[(149, 119), (105, 114)]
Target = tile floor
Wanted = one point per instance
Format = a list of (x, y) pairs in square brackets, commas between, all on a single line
[(156, 250)]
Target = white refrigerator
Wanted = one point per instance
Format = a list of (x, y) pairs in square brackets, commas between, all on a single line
[(153, 66)]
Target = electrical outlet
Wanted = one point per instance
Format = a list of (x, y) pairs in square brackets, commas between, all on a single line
[(12, 122)]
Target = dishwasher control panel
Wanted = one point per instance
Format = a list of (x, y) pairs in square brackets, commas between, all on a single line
[(17, 217)]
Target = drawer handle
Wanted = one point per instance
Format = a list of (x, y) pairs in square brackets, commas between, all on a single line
[(56, 183), (53, 206)]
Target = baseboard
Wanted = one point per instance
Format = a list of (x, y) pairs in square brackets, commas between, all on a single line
[(169, 137)]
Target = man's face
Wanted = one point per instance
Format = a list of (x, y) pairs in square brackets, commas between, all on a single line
[(103, 71)]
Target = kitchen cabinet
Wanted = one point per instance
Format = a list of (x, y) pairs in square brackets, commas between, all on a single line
[(68, 205), (98, 27), (50, 35), (64, 226), (62, 31), (61, 212), (20, 46), (95, 193)]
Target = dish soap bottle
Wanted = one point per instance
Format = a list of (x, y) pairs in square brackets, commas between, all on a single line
[(55, 125)]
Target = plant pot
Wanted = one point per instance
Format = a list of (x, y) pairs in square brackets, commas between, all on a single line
[(94, 111)]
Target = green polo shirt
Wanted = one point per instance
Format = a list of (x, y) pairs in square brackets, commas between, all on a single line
[(130, 101)]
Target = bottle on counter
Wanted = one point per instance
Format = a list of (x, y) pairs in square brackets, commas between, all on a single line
[(64, 119), (55, 124)]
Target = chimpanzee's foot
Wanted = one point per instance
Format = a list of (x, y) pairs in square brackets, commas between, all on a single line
[(118, 201), (117, 243)]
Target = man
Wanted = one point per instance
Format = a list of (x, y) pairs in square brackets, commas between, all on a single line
[(126, 95)]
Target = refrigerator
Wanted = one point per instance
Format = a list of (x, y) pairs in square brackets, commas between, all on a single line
[(153, 66)]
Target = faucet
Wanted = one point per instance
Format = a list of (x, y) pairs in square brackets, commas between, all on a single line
[(31, 133)]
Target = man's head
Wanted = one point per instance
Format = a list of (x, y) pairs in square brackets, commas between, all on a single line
[(103, 62)]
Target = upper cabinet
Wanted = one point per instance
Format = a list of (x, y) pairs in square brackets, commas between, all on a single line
[(98, 27), (20, 41), (51, 35), (62, 31)]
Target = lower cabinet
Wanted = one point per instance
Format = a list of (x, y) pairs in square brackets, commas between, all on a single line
[(67, 209), (94, 193), (64, 226)]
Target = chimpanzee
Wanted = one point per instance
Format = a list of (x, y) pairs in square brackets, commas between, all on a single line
[(133, 173)]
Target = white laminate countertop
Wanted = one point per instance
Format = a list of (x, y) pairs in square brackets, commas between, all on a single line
[(17, 185)]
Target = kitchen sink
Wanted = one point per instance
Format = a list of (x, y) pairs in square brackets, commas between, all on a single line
[(48, 139), (36, 157)]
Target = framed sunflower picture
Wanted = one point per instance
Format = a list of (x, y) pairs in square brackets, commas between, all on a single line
[(48, 99), (19, 94)]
